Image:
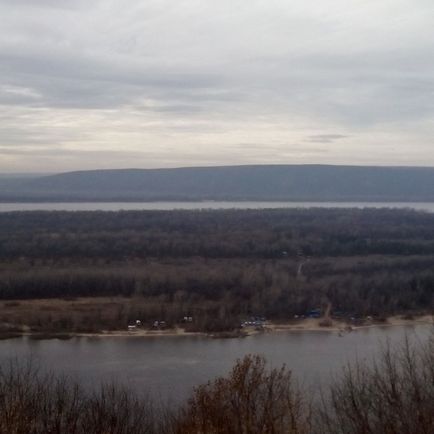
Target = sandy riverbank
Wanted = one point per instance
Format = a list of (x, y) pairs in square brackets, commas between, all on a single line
[(303, 325)]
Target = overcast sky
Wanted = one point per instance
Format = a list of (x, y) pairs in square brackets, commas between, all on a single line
[(155, 83)]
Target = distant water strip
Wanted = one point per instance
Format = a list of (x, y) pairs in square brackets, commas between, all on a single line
[(205, 205)]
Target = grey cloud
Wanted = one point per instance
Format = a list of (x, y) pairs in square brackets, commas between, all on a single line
[(180, 73), (81, 81), (59, 153), (57, 4), (289, 148), (325, 138), (359, 88)]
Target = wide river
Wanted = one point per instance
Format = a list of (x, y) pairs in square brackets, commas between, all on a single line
[(169, 367), (167, 206)]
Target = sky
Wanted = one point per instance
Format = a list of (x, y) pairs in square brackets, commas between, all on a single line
[(157, 83)]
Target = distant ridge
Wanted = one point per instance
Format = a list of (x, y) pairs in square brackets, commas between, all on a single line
[(260, 182)]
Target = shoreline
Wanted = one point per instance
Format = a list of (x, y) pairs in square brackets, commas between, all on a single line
[(345, 327), (304, 325)]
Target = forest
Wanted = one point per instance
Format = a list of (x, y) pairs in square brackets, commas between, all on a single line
[(219, 267)]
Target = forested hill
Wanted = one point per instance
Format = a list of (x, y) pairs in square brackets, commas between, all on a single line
[(262, 182)]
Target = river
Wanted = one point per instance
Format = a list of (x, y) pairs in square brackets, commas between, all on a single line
[(167, 206), (169, 367)]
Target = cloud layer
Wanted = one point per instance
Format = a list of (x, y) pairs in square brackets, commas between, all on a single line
[(158, 83)]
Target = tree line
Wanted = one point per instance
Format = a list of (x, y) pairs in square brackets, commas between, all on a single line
[(217, 265), (215, 234)]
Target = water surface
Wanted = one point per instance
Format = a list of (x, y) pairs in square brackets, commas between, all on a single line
[(167, 206), (169, 367)]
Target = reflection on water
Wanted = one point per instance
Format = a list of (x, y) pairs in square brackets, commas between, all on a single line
[(167, 206), (168, 367)]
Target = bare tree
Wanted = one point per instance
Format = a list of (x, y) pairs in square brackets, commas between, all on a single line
[(393, 395), (251, 400), (35, 403)]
